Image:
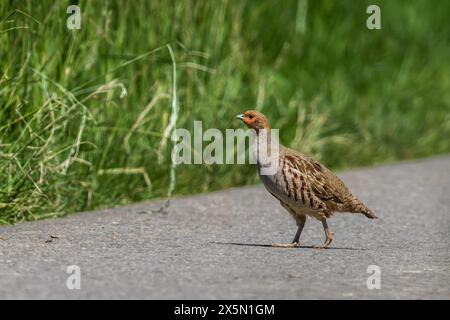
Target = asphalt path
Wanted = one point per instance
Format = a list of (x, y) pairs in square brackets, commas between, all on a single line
[(217, 245)]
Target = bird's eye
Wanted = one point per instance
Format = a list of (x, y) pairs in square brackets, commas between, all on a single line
[(250, 116)]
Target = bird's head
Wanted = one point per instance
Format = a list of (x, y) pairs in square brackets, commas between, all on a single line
[(254, 120)]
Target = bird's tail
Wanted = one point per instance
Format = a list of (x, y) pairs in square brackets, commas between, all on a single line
[(359, 207)]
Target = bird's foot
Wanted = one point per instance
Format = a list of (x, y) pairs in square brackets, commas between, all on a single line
[(323, 246), (286, 245), (326, 244)]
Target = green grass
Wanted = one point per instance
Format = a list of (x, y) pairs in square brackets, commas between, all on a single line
[(349, 95)]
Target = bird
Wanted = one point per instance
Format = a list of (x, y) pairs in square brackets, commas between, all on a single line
[(304, 186)]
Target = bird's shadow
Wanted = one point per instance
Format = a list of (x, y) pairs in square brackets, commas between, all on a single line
[(263, 245)]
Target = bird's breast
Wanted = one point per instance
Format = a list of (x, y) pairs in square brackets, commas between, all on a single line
[(291, 191), (279, 187)]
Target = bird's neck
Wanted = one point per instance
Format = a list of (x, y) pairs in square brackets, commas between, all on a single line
[(261, 138), (265, 146)]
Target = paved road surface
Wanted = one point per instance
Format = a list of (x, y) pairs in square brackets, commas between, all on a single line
[(217, 246)]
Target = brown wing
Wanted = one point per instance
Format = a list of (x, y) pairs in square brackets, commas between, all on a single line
[(324, 184)]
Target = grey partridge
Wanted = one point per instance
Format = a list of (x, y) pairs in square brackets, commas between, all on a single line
[(305, 187)]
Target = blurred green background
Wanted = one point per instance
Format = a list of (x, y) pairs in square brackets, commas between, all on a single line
[(71, 140)]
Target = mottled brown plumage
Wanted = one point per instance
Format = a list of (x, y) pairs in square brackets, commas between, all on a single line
[(305, 187)]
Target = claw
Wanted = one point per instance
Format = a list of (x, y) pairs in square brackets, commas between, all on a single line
[(286, 245), (327, 242)]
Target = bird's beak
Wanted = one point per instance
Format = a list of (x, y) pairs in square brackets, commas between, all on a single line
[(240, 116)]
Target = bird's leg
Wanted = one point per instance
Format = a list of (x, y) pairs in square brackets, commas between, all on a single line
[(328, 234), (300, 223), (295, 242)]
